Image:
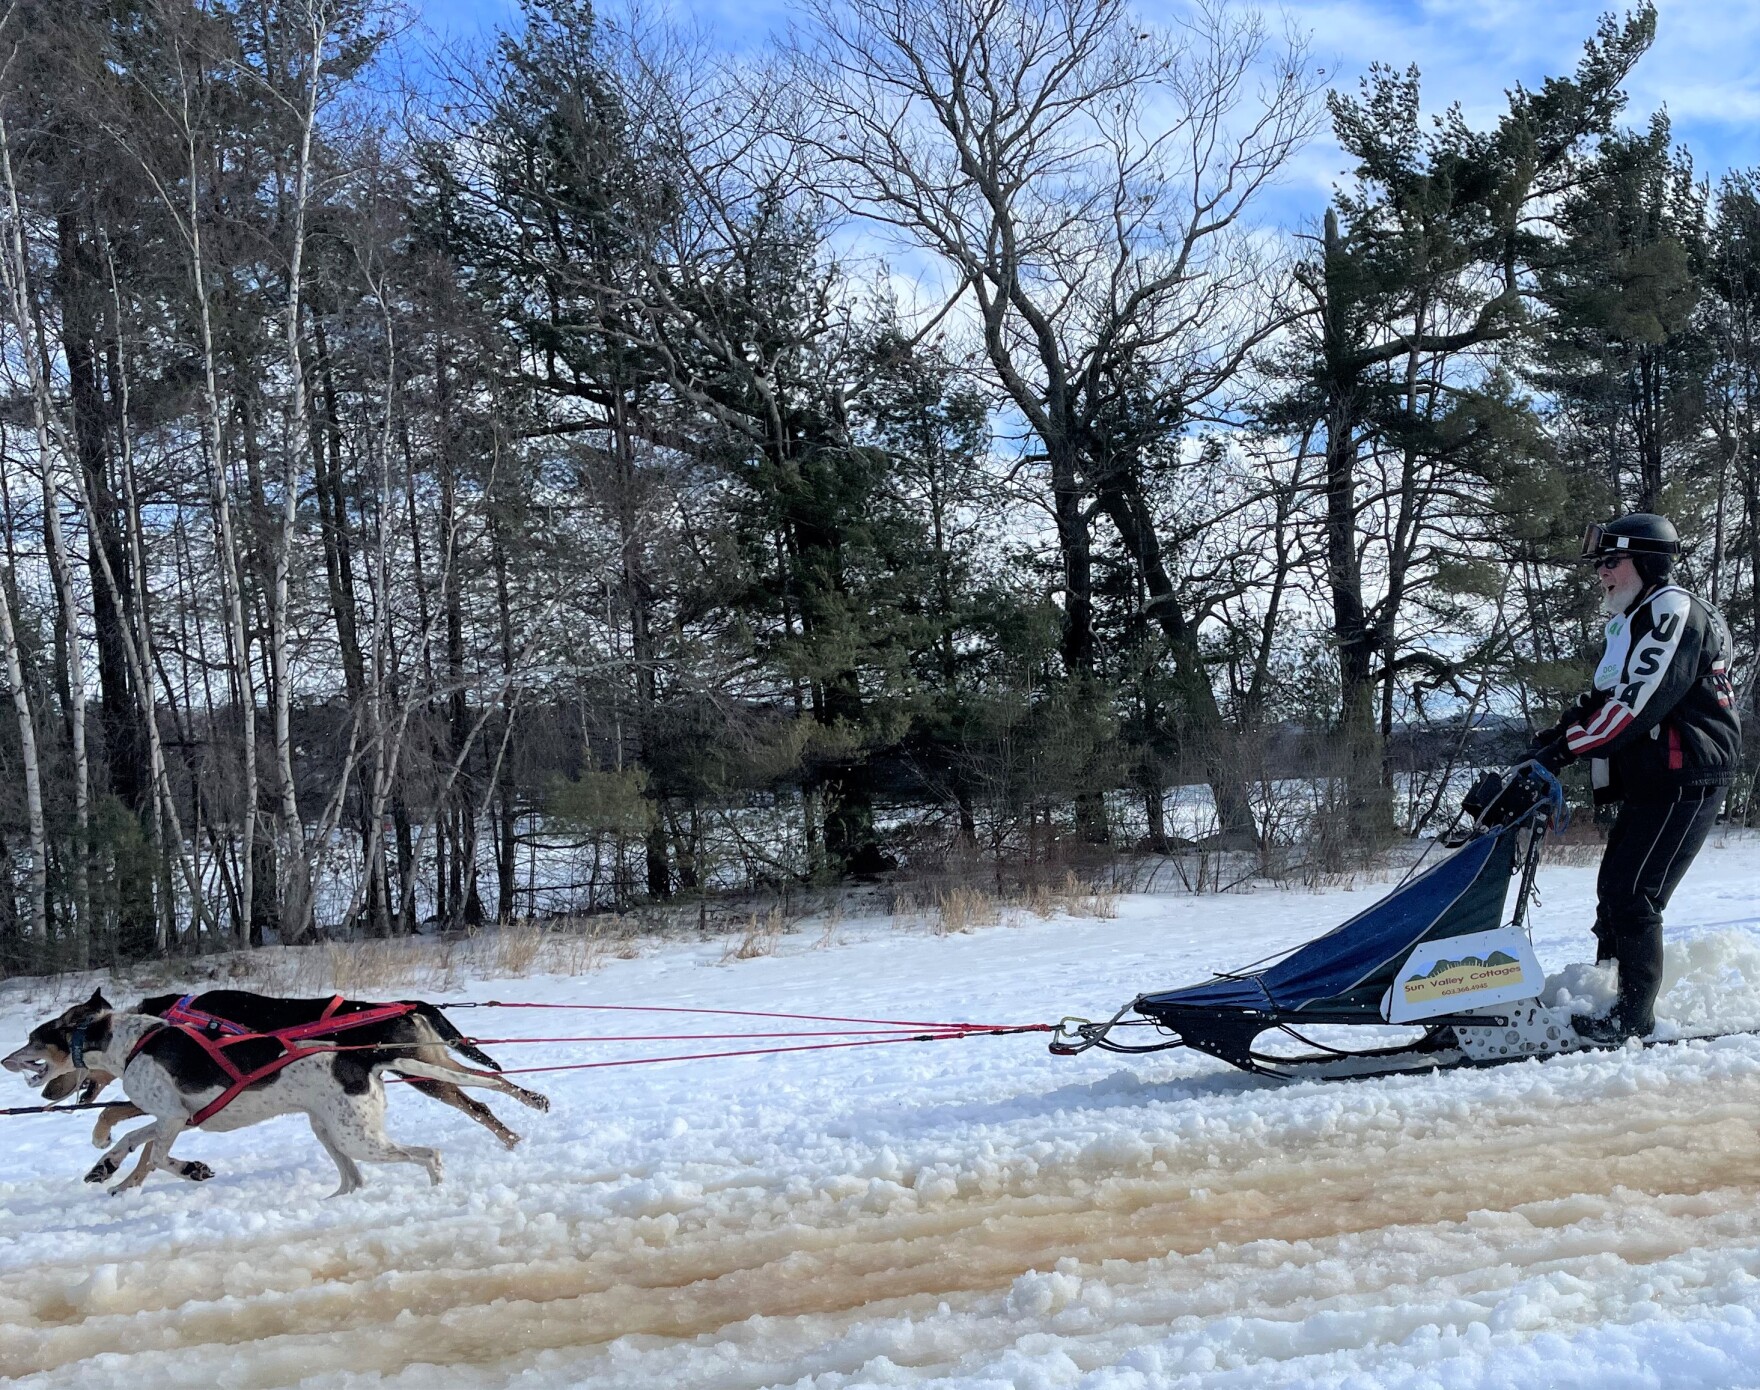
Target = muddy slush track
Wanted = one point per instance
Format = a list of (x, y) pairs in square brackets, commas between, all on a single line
[(1189, 1228)]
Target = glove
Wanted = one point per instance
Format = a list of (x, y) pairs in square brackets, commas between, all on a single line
[(1493, 801), (1552, 753), (1514, 800)]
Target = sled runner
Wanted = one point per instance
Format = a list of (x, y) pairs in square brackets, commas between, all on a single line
[(1435, 953)]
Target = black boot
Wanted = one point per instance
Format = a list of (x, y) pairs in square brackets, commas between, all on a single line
[(1613, 1028), (1636, 1015), (1601, 1030)]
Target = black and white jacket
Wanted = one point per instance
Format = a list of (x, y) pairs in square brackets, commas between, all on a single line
[(1661, 713)]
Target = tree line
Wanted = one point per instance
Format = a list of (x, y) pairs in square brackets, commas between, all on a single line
[(445, 487)]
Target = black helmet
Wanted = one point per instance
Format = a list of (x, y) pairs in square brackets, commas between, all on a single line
[(1641, 533), (1649, 539)]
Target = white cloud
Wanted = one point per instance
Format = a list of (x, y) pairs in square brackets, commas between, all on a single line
[(1702, 68)]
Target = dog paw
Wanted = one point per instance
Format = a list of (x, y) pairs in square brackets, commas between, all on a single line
[(536, 1101), (197, 1172), (101, 1172)]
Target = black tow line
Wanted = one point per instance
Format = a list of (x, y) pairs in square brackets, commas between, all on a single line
[(59, 1109)]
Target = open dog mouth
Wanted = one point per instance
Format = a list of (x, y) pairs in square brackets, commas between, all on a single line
[(35, 1069)]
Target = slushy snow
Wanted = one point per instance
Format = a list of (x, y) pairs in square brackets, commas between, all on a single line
[(973, 1214)]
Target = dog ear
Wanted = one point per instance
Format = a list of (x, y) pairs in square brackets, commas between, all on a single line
[(59, 1086), (98, 1001)]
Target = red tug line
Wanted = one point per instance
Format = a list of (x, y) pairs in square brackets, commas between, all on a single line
[(874, 1032), (943, 1035), (728, 1013), (889, 1030), (712, 1037)]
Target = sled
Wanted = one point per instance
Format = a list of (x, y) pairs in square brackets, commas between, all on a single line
[(1436, 955)]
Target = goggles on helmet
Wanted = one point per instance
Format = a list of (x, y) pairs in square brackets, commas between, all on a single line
[(1599, 540)]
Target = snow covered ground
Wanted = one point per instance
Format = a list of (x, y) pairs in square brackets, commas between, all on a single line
[(973, 1214)]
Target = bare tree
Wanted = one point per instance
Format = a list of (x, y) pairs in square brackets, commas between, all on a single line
[(24, 323), (315, 20), (1083, 176), (181, 184)]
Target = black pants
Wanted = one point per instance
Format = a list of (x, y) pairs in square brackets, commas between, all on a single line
[(1650, 847)]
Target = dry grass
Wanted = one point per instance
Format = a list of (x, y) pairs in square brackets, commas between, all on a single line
[(1074, 897), (358, 969), (905, 910), (514, 949), (760, 937), (1037, 899), (1084, 899), (361, 969), (962, 909), (1575, 853), (1091, 899), (833, 920)]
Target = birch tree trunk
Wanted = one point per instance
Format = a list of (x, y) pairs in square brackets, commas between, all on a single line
[(139, 651), (67, 611), (53, 435), (296, 869), (226, 540), (33, 782), (31, 350)]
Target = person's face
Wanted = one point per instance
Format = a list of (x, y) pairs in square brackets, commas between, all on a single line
[(1620, 582)]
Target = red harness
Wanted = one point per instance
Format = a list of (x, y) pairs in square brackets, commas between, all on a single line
[(217, 1034)]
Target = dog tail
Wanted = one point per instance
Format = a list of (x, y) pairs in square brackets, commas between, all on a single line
[(451, 1036)]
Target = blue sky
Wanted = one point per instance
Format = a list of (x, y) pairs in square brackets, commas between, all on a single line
[(1704, 67)]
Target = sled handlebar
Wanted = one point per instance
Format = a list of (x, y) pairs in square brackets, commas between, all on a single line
[(1503, 798)]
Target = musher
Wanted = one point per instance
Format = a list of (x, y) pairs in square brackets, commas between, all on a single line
[(1660, 726)]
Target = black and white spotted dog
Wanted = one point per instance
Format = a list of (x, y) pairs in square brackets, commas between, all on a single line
[(172, 1076), (264, 1013)]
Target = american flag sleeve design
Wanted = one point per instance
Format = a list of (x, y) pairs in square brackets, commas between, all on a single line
[(1644, 681)]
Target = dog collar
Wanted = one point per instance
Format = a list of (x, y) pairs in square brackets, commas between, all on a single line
[(76, 1044)]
